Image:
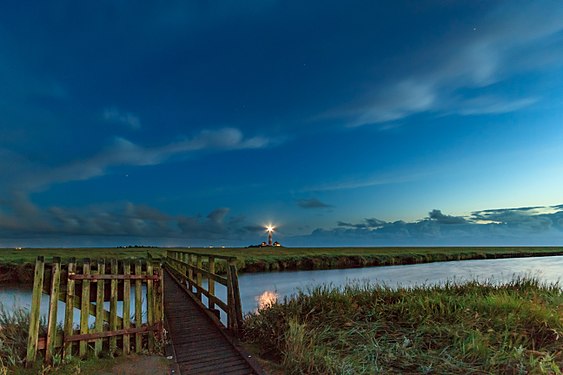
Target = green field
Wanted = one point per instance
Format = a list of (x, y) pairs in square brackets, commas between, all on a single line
[(16, 264)]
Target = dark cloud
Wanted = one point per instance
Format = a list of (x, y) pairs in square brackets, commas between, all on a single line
[(438, 216), (312, 203), (496, 227)]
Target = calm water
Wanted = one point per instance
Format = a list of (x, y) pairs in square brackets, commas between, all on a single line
[(261, 288)]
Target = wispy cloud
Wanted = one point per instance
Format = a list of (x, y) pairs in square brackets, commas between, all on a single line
[(122, 152), (485, 54), (128, 119)]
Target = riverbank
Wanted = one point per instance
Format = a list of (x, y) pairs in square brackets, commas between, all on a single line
[(16, 265), (475, 327)]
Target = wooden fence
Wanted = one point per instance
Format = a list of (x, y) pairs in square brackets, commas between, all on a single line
[(87, 286), (192, 268)]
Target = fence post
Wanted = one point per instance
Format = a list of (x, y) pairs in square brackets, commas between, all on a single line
[(237, 308), (84, 308), (100, 296), (138, 306), (150, 305), (210, 281), (199, 265), (126, 306), (113, 307), (69, 308), (33, 337), (230, 300), (53, 305)]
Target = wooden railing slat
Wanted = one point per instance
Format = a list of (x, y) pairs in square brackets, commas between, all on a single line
[(100, 294), (84, 314), (126, 307), (53, 305), (33, 337), (113, 307), (69, 313), (138, 306)]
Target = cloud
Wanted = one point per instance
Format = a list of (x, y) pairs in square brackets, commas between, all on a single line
[(439, 217), (503, 44), (525, 226), (312, 203), (122, 152), (126, 118)]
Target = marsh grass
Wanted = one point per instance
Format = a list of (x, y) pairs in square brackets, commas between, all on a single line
[(469, 328)]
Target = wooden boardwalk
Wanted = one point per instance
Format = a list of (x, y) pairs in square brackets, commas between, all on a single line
[(200, 345)]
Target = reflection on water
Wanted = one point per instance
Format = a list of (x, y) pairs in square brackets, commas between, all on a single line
[(253, 286), (261, 289), (266, 299)]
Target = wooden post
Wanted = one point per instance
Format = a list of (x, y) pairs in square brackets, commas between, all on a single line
[(113, 308), (150, 305), (211, 282), (138, 307), (84, 308), (236, 298), (198, 275), (126, 306), (190, 272), (33, 337), (53, 305), (161, 300), (100, 294), (230, 300), (69, 308)]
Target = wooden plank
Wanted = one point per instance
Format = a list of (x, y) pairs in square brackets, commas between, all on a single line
[(138, 306), (126, 306), (69, 308), (160, 301), (150, 305), (34, 313), (221, 280), (84, 309), (117, 332), (113, 277), (113, 308), (99, 328), (53, 305)]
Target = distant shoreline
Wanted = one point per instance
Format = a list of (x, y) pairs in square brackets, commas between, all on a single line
[(16, 265)]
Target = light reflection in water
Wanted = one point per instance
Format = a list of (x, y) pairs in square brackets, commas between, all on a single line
[(266, 299)]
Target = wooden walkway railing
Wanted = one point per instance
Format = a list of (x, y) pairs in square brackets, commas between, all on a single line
[(87, 286), (191, 269)]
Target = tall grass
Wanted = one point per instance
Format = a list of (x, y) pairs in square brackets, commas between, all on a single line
[(14, 329), (471, 328)]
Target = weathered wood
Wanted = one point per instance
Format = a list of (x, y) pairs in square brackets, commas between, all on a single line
[(53, 305), (150, 305), (208, 274), (113, 308), (211, 280), (230, 300), (236, 298), (113, 277), (119, 332), (138, 306), (160, 300), (34, 313), (69, 313), (84, 313), (126, 307), (198, 281), (99, 328)]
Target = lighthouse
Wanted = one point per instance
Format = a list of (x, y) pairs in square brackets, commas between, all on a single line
[(270, 230)]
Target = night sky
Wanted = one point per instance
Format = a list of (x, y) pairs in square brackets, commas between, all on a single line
[(196, 123)]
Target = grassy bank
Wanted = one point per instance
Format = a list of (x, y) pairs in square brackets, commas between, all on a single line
[(16, 265), (472, 328)]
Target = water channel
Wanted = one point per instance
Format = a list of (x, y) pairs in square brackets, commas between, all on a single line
[(258, 289)]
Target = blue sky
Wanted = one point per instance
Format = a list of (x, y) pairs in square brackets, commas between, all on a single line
[(193, 123)]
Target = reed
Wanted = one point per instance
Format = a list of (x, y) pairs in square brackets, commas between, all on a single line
[(475, 327)]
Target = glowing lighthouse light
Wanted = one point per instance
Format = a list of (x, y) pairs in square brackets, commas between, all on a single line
[(270, 229)]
